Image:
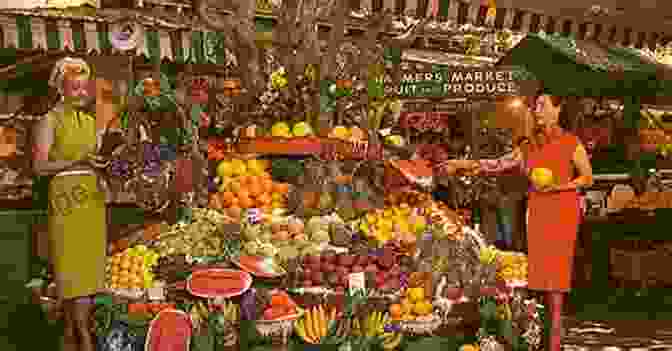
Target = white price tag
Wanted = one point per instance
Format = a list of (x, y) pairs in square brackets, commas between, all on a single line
[(356, 281), (156, 293)]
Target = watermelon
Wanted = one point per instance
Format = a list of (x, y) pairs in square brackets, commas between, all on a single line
[(218, 282), (170, 330)]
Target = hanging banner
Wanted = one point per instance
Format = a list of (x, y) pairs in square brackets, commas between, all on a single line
[(456, 82)]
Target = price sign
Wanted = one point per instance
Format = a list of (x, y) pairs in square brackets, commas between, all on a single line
[(356, 281)]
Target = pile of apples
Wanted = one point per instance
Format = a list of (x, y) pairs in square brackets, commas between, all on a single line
[(244, 184)]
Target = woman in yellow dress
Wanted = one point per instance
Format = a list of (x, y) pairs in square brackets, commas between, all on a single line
[(64, 147)]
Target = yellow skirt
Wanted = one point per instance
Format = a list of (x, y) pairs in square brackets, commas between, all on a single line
[(77, 234)]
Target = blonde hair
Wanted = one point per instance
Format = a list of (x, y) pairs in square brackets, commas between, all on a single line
[(58, 73)]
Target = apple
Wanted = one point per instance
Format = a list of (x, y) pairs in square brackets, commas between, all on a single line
[(329, 267), (307, 283), (371, 268), (453, 293), (346, 260), (357, 269), (313, 259), (317, 277), (342, 271)]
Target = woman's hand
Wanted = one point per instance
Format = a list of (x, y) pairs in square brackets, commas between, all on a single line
[(557, 188), (95, 161)]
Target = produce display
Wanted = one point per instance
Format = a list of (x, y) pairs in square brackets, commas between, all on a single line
[(243, 184), (310, 252), (132, 268), (322, 230)]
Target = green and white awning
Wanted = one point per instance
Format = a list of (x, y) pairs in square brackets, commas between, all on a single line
[(176, 43)]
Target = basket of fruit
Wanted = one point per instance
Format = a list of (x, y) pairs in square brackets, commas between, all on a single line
[(129, 273), (279, 316), (415, 311)]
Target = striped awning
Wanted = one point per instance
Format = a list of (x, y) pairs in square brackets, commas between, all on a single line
[(178, 36), (44, 29), (458, 13)]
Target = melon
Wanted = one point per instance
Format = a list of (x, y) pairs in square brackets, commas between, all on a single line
[(217, 282), (170, 330), (542, 177)]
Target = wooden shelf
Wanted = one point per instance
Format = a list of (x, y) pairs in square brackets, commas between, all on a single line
[(293, 146)]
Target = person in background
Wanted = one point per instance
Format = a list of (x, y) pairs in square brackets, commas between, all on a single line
[(64, 148)]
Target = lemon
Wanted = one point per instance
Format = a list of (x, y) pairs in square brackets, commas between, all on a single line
[(340, 132), (238, 167), (416, 294), (255, 167), (277, 197), (302, 129), (281, 129), (423, 308), (225, 169), (277, 204)]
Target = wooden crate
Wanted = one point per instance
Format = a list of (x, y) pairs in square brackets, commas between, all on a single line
[(631, 265)]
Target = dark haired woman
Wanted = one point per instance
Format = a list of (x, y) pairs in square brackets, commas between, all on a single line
[(554, 212)]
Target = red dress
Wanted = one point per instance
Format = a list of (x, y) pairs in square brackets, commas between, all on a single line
[(553, 218)]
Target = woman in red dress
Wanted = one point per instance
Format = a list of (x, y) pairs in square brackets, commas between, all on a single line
[(554, 211)]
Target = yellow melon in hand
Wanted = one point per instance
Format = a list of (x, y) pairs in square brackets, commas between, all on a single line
[(542, 177)]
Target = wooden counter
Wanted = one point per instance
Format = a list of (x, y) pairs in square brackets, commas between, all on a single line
[(628, 231)]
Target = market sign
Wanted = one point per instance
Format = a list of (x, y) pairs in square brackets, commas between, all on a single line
[(455, 82)]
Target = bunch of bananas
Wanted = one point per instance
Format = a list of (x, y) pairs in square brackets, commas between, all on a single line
[(313, 327), (504, 312), (374, 326), (488, 255), (230, 311), (199, 314)]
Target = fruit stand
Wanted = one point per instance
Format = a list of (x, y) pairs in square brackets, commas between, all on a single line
[(320, 229), (322, 238)]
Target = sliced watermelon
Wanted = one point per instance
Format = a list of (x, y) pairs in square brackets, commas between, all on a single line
[(218, 282), (170, 330)]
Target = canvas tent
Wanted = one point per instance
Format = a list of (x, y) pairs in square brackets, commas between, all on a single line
[(569, 66)]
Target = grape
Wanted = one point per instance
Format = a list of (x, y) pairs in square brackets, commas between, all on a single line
[(212, 186)]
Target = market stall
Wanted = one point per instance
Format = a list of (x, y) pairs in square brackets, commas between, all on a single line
[(306, 242), (614, 86)]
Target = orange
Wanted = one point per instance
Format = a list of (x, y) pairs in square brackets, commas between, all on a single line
[(235, 186), (266, 185), (253, 179), (281, 188), (395, 311), (243, 193), (234, 212), (264, 199), (234, 202), (255, 189), (246, 202), (228, 197)]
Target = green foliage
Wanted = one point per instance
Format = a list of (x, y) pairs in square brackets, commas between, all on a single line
[(285, 168)]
